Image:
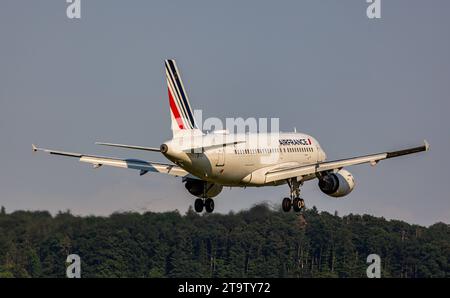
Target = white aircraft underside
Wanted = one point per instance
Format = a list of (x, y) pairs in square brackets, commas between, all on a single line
[(207, 162)]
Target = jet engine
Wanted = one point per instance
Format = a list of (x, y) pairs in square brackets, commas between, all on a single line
[(197, 187), (337, 184)]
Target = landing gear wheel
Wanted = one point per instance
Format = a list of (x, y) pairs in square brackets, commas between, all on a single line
[(298, 204), (209, 205), (286, 204), (302, 203), (198, 205)]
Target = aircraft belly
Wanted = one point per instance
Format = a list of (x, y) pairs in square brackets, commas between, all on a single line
[(231, 173)]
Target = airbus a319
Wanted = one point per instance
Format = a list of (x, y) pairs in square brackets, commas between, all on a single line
[(207, 162)]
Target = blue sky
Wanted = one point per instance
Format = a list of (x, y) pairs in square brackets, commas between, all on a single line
[(358, 85)]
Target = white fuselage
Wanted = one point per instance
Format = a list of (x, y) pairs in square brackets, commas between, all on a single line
[(246, 158)]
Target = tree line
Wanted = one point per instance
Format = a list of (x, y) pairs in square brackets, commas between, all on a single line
[(260, 242)]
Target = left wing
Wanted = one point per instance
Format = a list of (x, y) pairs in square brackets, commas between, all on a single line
[(136, 164), (317, 168)]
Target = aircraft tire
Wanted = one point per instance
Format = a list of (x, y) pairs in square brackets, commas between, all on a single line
[(297, 204), (209, 205), (198, 205), (286, 205)]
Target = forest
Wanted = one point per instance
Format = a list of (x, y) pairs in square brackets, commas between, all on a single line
[(259, 242)]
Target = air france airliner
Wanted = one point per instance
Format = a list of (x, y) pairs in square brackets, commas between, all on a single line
[(207, 162)]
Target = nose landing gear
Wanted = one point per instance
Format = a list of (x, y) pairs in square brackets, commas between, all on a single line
[(295, 202)]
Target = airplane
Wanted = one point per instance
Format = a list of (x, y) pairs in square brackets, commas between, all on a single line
[(207, 162)]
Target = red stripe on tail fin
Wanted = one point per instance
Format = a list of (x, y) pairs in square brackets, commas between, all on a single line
[(175, 111)]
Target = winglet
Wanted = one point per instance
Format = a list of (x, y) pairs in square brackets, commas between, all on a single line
[(33, 146), (427, 146)]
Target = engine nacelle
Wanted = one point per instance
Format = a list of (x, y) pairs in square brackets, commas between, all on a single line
[(337, 184), (197, 187)]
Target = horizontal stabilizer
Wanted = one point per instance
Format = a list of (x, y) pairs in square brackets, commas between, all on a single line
[(153, 149)]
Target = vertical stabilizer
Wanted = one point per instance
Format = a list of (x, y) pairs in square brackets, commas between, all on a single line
[(181, 112)]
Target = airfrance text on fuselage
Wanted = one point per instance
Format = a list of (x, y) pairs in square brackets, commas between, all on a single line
[(295, 141)]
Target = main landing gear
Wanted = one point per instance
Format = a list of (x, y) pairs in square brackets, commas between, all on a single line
[(207, 203), (294, 201), (204, 201)]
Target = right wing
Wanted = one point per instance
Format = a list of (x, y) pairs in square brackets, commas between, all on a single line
[(317, 168), (136, 164)]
